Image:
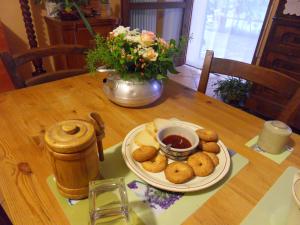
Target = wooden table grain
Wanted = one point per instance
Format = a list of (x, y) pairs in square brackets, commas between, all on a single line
[(25, 114)]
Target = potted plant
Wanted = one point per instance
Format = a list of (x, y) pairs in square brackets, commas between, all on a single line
[(233, 91), (141, 60)]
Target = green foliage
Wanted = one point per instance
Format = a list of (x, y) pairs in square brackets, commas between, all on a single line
[(84, 20), (233, 90), (134, 59)]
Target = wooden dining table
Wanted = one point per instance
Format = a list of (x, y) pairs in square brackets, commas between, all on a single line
[(26, 113)]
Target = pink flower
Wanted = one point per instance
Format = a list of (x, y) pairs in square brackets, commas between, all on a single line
[(163, 42), (147, 37), (150, 54)]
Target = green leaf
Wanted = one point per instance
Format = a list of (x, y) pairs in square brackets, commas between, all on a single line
[(173, 70), (84, 20), (166, 59), (161, 77)]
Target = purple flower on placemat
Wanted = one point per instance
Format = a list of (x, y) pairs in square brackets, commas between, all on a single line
[(157, 199), (162, 198), (132, 185)]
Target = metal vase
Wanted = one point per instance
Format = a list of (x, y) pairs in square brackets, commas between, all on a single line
[(131, 93)]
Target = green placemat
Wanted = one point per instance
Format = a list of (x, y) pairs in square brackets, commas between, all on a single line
[(277, 207), (179, 206), (278, 158)]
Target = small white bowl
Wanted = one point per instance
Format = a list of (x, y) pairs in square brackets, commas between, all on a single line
[(176, 153), (296, 188)]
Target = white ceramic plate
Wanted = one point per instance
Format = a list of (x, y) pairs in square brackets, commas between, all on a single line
[(158, 179), (296, 188)]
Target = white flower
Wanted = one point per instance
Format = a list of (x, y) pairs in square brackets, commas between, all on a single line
[(134, 32), (120, 30), (133, 38)]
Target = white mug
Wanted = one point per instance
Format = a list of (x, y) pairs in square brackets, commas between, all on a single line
[(274, 136)]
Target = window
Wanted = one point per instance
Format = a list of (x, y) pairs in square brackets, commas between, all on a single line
[(230, 28)]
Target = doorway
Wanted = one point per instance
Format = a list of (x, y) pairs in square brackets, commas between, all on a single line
[(230, 28)]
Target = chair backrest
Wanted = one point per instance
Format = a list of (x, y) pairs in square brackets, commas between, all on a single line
[(276, 81), (12, 62)]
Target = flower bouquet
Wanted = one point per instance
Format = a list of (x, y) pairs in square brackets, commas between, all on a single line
[(134, 54)]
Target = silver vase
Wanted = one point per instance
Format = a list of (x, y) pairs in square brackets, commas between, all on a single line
[(131, 93)]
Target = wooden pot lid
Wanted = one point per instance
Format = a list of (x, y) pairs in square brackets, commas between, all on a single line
[(70, 136)]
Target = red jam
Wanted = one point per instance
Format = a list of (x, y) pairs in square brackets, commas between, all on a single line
[(177, 141)]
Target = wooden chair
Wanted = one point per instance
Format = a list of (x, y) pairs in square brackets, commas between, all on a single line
[(12, 62), (276, 81)]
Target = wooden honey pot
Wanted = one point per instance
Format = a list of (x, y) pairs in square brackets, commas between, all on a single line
[(75, 147)]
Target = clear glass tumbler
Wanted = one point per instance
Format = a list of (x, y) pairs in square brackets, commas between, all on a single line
[(108, 202)]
